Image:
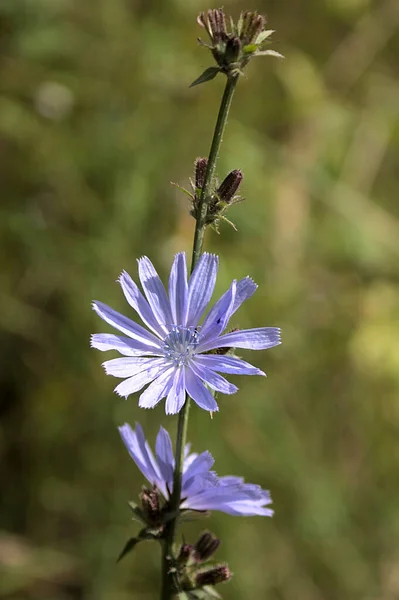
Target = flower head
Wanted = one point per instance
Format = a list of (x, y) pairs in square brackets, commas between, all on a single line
[(177, 355), (202, 489), (232, 50)]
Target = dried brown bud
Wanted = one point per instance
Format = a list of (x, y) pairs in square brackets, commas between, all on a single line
[(212, 576), (205, 546), (200, 170), (230, 185), (233, 49), (217, 22), (150, 500), (253, 24)]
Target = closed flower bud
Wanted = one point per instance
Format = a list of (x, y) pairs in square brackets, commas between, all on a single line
[(227, 189), (185, 553), (212, 576), (233, 50), (200, 170), (205, 546)]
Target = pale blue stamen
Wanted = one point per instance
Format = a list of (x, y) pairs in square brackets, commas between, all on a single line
[(180, 344)]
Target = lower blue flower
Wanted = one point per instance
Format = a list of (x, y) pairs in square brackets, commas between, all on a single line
[(202, 489)]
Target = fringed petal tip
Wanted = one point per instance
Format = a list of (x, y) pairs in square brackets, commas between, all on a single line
[(142, 258), (120, 395), (251, 282), (122, 276)]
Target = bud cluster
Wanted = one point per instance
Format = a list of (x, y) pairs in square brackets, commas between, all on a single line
[(221, 197), (191, 574), (232, 50)]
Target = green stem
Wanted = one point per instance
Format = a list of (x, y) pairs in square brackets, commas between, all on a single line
[(210, 169), (167, 587)]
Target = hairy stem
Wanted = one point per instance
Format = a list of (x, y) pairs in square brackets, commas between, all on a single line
[(167, 576), (211, 166)]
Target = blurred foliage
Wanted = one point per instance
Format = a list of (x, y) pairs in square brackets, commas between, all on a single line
[(96, 118)]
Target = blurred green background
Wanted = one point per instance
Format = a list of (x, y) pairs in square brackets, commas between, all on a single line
[(96, 118)]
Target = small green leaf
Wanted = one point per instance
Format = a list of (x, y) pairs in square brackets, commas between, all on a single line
[(130, 544), (269, 53), (226, 220), (250, 48), (263, 36), (212, 593), (138, 513), (202, 43), (182, 189), (207, 75)]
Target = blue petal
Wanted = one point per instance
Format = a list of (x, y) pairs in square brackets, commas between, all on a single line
[(201, 286), (227, 364), (199, 393), (177, 394), (124, 345), (201, 464), (137, 301), (136, 382), (141, 454), (127, 367), (155, 292), (216, 382), (245, 289), (157, 390), (164, 453), (252, 339), (178, 289), (218, 317), (233, 500), (144, 340), (200, 467), (231, 480)]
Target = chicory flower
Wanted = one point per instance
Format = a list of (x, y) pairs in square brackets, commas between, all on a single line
[(202, 489), (176, 354)]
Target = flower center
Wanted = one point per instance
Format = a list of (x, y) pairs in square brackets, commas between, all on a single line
[(180, 344)]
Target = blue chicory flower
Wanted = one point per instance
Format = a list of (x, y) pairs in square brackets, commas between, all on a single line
[(202, 489), (176, 356)]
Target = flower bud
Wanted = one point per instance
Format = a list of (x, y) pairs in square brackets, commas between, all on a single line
[(233, 50), (230, 185), (200, 170), (212, 576), (185, 553), (205, 546)]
